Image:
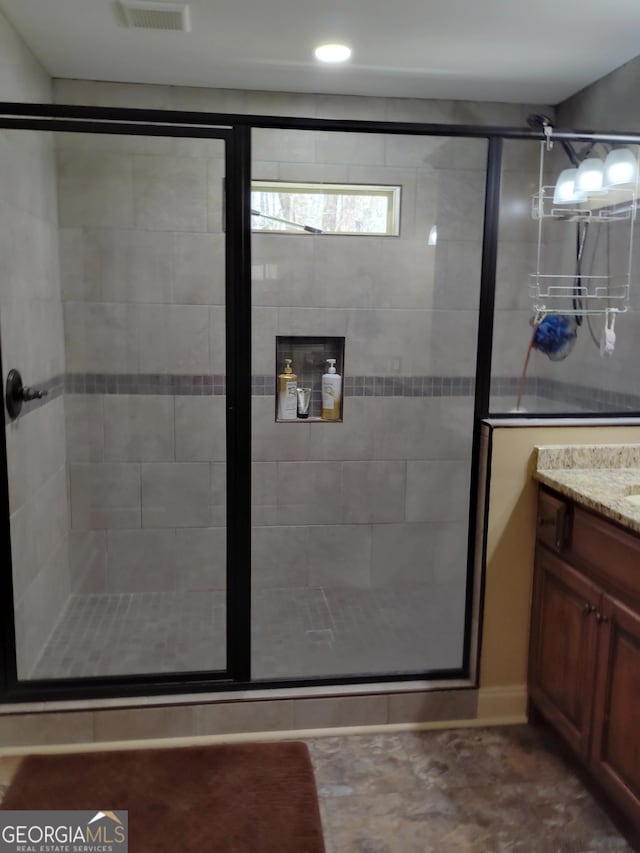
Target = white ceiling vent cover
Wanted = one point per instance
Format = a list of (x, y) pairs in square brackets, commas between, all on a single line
[(156, 15)]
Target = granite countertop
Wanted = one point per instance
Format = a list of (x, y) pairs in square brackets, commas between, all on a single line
[(598, 476)]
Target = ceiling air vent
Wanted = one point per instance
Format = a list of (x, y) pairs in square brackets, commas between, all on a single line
[(156, 15)]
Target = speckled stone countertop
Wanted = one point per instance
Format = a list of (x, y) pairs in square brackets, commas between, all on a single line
[(598, 476)]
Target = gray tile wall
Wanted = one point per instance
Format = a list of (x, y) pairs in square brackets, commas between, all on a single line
[(141, 261), (517, 248), (144, 292), (32, 341), (143, 289), (148, 472), (381, 499)]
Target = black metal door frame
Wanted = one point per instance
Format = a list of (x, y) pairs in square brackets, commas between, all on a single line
[(238, 437)]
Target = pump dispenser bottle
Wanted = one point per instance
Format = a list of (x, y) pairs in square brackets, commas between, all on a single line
[(331, 387), (287, 397)]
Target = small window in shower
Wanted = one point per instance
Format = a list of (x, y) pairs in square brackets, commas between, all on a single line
[(319, 208)]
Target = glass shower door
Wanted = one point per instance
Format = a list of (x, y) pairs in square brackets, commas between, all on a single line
[(113, 310), (361, 521)]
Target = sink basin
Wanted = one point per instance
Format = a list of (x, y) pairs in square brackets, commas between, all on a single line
[(632, 494)]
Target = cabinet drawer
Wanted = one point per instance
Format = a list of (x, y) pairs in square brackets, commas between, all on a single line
[(612, 555), (552, 521)]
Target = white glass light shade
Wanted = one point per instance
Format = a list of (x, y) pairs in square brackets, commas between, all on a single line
[(565, 191), (590, 175), (620, 168), (432, 239), (333, 52)]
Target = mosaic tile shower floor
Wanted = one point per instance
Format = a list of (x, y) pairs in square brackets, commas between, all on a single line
[(298, 632)]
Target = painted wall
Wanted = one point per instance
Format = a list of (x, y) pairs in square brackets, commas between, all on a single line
[(510, 548), (609, 104), (32, 341)]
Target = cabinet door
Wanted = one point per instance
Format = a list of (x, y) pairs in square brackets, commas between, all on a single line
[(616, 715), (562, 655), (552, 521)]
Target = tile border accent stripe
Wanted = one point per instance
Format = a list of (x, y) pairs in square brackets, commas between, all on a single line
[(594, 400), (386, 386), (263, 385), (168, 384)]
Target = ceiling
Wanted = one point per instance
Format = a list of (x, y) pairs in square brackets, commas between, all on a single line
[(522, 51)]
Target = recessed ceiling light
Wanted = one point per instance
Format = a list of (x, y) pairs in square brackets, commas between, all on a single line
[(333, 52)]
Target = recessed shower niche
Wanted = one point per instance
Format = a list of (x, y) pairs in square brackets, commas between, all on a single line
[(309, 379)]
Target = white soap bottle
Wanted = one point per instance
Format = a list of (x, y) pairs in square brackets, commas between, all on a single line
[(331, 392)]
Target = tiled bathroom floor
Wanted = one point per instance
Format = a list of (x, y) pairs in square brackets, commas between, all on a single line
[(455, 791), (298, 632)]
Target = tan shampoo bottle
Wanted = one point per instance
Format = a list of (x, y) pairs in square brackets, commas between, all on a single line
[(287, 397)]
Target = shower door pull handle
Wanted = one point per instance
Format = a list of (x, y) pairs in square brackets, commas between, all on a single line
[(29, 394), (16, 394)]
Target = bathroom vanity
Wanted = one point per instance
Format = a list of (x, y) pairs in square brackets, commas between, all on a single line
[(584, 662)]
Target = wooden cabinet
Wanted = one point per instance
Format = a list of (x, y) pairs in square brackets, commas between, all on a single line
[(584, 662), (615, 749), (563, 643)]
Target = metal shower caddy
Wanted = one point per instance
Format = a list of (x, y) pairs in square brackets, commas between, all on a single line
[(576, 293)]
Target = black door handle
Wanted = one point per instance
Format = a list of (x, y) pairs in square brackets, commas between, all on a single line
[(17, 393)]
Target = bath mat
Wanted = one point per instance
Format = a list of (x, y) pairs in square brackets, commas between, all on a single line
[(245, 798)]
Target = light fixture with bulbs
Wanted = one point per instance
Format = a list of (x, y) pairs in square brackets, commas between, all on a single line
[(332, 52), (590, 175), (620, 168), (595, 177), (565, 191)]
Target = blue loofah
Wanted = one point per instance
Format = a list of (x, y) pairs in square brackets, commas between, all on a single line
[(555, 335)]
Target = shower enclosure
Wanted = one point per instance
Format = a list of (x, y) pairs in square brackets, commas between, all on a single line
[(163, 529)]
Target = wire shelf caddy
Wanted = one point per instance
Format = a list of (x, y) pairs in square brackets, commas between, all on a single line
[(579, 291)]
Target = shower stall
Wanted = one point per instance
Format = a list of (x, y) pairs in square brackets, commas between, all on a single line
[(164, 529)]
